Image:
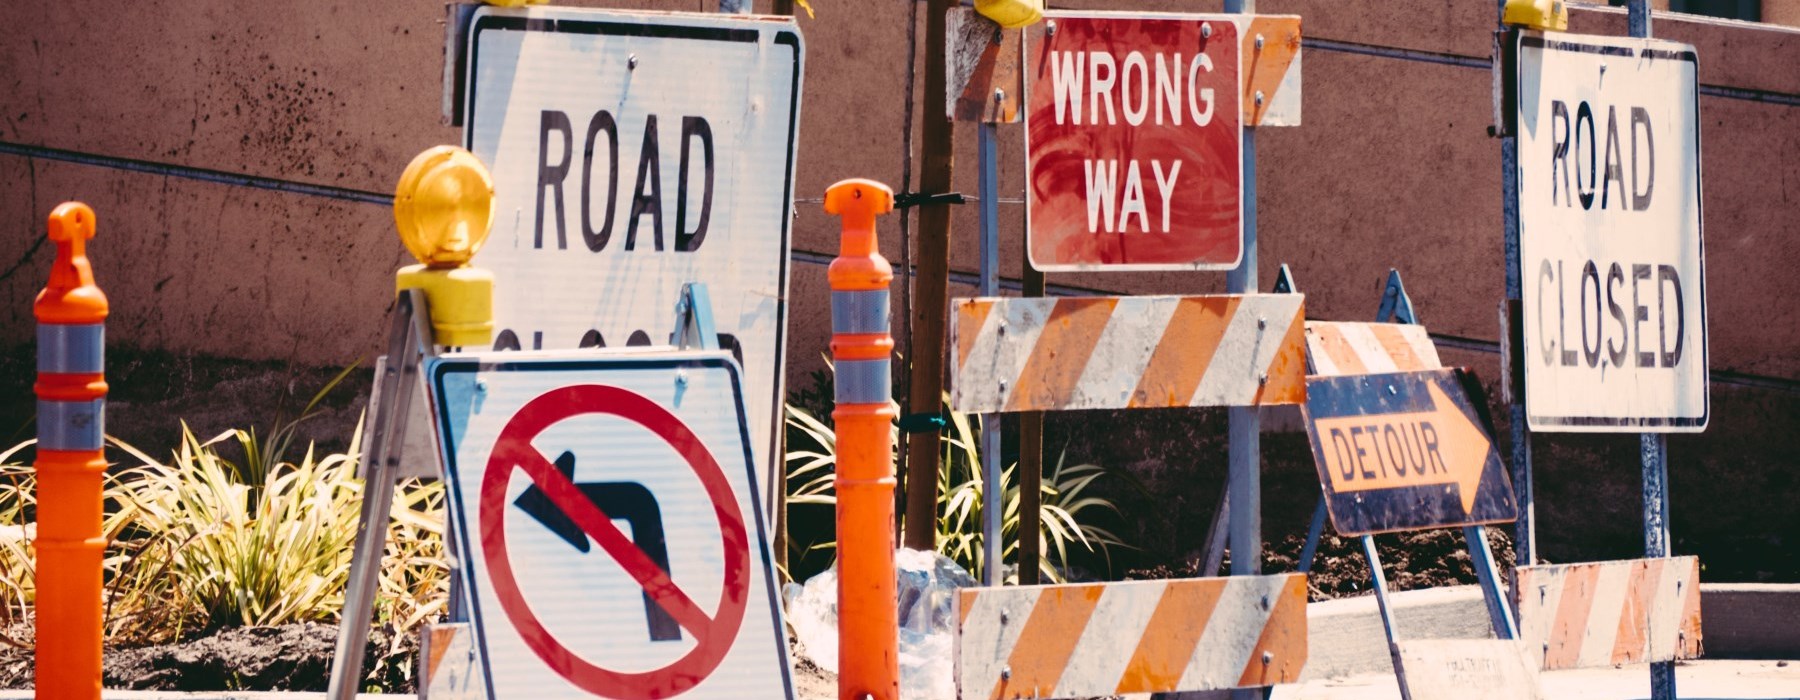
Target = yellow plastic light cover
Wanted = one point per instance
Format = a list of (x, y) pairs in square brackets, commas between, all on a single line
[(1547, 15), (1011, 14), (443, 206)]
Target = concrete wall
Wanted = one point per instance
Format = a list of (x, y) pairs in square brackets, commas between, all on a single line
[(238, 155)]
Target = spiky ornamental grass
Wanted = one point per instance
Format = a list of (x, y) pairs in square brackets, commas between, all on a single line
[(193, 547)]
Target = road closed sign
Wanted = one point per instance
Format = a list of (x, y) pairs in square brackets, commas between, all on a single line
[(1133, 143), (607, 522), (632, 153), (1610, 250)]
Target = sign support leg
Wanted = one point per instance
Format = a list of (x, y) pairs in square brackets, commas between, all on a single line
[(1313, 532), (1499, 613), (992, 491), (1388, 623), (409, 339)]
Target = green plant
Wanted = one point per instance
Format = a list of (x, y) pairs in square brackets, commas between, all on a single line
[(260, 456), (1061, 511)]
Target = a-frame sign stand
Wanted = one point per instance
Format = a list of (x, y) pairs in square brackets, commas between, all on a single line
[(410, 343), (1396, 307)]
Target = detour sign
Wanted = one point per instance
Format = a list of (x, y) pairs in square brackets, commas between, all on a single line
[(1406, 451)]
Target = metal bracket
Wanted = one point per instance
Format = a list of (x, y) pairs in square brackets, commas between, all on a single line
[(694, 319), (915, 199), (1396, 305)]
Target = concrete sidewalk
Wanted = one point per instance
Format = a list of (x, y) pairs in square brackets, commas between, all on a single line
[(1699, 680)]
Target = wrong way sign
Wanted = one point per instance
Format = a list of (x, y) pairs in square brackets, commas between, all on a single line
[(1133, 146), (607, 524), (1610, 245), (632, 153)]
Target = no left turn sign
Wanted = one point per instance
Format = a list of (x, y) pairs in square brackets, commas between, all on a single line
[(605, 513)]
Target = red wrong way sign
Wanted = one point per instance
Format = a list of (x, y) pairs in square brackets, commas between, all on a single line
[(1133, 143), (605, 513)]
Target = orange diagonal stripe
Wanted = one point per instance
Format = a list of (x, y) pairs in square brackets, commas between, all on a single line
[(1265, 68), (1394, 341), (1337, 347), (970, 317), (1634, 620), (1186, 348), (1283, 639), (1061, 353), (1048, 640), (1287, 369), (1569, 626), (1170, 636)]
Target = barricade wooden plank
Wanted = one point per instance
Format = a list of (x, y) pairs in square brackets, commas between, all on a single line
[(1337, 348), (1613, 612), (1046, 354), (1469, 669), (1100, 639)]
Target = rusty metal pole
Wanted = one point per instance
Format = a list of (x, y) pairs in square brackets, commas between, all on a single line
[(71, 409), (930, 303), (862, 346)]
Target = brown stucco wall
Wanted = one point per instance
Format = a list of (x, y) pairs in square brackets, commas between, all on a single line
[(325, 101)]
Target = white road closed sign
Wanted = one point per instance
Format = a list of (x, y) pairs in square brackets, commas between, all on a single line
[(1610, 248), (631, 153), (608, 526)]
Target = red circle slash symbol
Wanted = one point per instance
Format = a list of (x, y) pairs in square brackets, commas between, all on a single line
[(714, 634)]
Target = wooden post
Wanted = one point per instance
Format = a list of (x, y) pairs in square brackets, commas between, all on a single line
[(1031, 459), (933, 290)]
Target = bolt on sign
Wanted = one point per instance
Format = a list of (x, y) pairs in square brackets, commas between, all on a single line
[(1406, 451), (1133, 135), (1614, 298), (607, 522), (632, 153)]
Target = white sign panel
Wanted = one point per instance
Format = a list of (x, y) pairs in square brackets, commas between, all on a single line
[(606, 518), (1609, 235), (632, 153)]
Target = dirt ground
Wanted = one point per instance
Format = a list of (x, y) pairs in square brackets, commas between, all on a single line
[(289, 657)]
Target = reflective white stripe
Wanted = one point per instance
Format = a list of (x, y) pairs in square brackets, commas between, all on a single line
[(1232, 631), (1123, 351), (79, 349), (1245, 351), (863, 381), (71, 425), (1113, 633), (999, 354), (859, 311), (995, 620), (1603, 616)]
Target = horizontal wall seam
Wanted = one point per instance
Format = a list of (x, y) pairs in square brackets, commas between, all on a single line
[(1482, 63), (202, 174)]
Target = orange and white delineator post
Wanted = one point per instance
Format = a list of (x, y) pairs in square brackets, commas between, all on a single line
[(861, 347), (71, 406)]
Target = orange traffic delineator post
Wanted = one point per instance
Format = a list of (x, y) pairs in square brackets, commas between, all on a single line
[(861, 347), (71, 407)]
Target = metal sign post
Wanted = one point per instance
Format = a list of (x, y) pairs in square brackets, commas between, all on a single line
[(1244, 424), (1512, 342), (992, 491), (1653, 450)]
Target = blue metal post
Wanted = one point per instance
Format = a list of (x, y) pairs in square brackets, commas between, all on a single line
[(1525, 532), (1245, 423), (1653, 449), (992, 491)]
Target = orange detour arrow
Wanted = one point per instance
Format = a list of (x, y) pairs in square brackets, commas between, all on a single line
[(1440, 446), (1406, 451)]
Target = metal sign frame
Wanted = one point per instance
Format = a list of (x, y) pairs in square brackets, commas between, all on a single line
[(586, 323)]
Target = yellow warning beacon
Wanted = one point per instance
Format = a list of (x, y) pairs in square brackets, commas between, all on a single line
[(443, 207)]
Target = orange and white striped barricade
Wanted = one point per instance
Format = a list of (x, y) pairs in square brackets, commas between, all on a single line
[(1065, 353), (1102, 639), (1614, 612), (1080, 640)]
